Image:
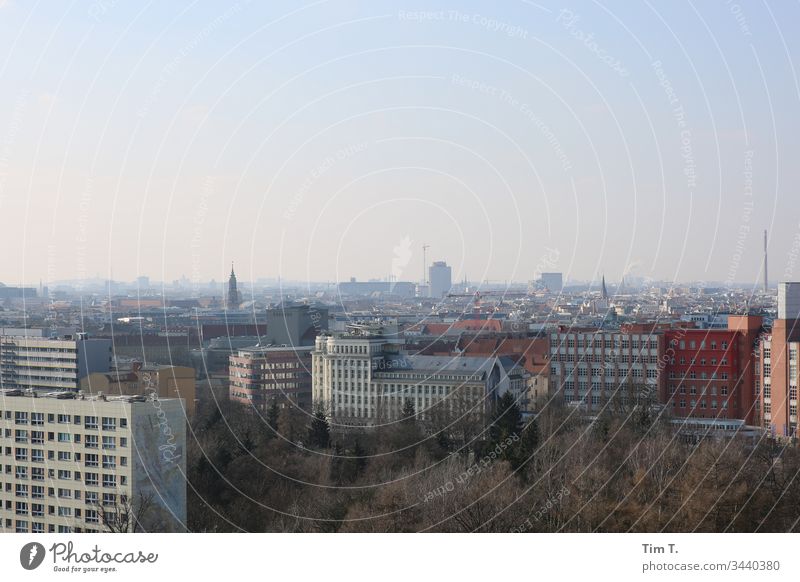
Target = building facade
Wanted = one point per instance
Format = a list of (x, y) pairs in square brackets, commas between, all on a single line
[(35, 363), (363, 379), (441, 279), (73, 463), (590, 366), (259, 376)]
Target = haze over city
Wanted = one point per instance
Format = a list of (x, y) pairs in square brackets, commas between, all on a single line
[(170, 139)]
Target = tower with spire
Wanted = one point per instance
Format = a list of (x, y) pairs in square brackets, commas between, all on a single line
[(604, 290), (233, 292)]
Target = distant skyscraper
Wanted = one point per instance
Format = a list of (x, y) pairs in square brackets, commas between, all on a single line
[(440, 279), (553, 282), (233, 292)]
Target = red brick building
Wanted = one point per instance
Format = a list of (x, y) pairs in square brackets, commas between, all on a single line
[(710, 372)]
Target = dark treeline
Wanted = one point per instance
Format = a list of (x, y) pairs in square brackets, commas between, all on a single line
[(286, 471)]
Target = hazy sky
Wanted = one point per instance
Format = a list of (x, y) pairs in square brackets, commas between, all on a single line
[(332, 139)]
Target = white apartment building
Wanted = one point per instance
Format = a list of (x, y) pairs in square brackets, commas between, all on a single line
[(591, 366), (362, 380), (72, 463), (38, 363)]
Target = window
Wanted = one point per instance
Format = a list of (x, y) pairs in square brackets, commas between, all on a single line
[(109, 462), (64, 419), (64, 437), (109, 480), (64, 456), (109, 423), (109, 442), (91, 441), (21, 454), (90, 422), (91, 479), (37, 418), (22, 473), (37, 455), (20, 417), (64, 474), (92, 460)]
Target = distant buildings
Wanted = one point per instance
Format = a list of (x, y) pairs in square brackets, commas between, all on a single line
[(553, 282), (37, 363), (92, 464), (398, 288), (440, 277), (16, 292)]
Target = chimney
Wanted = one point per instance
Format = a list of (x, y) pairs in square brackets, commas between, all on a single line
[(766, 278)]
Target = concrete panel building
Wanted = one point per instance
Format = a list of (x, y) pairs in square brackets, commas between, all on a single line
[(73, 463), (36, 363)]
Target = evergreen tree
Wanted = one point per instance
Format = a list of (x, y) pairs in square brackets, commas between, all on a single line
[(319, 433), (409, 414), (505, 423), (273, 412)]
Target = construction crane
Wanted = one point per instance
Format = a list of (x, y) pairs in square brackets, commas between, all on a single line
[(425, 248)]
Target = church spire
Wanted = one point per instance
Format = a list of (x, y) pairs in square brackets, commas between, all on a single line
[(604, 290), (233, 291)]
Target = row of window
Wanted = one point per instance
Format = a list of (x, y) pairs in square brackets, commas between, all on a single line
[(89, 422)]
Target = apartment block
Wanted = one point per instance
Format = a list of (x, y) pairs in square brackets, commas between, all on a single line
[(37, 363), (72, 463)]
